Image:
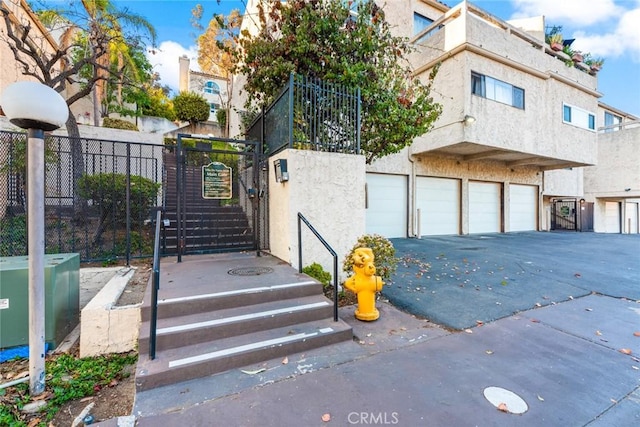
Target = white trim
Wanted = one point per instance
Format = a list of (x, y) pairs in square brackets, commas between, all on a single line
[(216, 322), (235, 292), (246, 347)]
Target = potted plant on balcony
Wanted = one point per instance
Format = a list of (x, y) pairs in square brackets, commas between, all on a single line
[(595, 64), (577, 56), (555, 41)]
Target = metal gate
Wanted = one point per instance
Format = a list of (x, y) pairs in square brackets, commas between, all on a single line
[(564, 215), (572, 215), (216, 198)]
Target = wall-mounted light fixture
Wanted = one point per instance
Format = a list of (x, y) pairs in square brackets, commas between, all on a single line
[(469, 120), (582, 201), (280, 166), (627, 189)]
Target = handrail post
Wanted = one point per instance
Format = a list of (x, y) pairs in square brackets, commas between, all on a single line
[(154, 290), (331, 251)]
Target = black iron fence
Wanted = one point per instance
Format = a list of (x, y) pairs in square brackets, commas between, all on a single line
[(310, 114), (99, 196)]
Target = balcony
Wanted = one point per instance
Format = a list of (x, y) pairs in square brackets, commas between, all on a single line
[(467, 39)]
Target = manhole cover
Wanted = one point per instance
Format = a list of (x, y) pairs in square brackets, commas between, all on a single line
[(506, 400), (250, 271)]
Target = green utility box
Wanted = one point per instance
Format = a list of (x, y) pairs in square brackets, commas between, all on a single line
[(62, 298)]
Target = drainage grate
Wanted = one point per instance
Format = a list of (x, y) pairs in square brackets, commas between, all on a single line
[(250, 271)]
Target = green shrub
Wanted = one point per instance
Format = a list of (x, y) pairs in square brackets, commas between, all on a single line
[(191, 107), (316, 271), (109, 191), (383, 251), (108, 122)]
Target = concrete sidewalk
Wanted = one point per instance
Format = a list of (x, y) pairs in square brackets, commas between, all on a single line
[(563, 361), (569, 306)]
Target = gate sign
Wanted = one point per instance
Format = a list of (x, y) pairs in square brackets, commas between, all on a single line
[(216, 181)]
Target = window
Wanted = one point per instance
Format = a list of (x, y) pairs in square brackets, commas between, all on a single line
[(212, 87), (578, 117), (611, 119), (497, 90), (420, 23), (213, 107)]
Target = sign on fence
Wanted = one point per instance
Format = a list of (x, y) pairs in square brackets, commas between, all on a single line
[(216, 181)]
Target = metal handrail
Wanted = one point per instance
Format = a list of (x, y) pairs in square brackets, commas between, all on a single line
[(154, 290), (331, 251)]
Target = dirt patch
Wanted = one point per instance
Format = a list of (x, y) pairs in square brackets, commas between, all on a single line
[(112, 401), (134, 291), (345, 297)]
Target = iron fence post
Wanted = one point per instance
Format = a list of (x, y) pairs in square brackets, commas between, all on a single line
[(128, 204)]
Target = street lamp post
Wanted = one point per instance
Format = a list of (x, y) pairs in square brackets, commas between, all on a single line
[(37, 108)]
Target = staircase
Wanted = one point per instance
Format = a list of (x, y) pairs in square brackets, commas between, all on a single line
[(210, 226), (210, 321)]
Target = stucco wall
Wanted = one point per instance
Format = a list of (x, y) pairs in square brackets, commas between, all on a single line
[(618, 166), (328, 189), (564, 182)]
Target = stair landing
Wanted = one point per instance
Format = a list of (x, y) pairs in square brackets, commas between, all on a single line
[(224, 311)]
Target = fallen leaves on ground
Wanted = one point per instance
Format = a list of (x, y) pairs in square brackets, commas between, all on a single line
[(636, 334), (625, 351), (326, 418), (503, 407)]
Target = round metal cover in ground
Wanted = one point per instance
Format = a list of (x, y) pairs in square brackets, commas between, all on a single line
[(250, 271), (498, 396)]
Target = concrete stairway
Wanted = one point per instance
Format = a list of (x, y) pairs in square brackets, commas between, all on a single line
[(247, 322)]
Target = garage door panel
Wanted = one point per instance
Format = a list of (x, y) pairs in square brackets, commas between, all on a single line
[(439, 202), (631, 217), (523, 207), (484, 207), (612, 217), (386, 205)]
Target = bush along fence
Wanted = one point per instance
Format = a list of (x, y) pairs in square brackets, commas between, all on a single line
[(99, 196)]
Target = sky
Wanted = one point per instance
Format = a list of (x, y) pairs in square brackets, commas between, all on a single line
[(605, 28)]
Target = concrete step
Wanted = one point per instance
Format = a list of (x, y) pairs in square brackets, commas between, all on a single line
[(208, 358), (201, 327), (226, 299)]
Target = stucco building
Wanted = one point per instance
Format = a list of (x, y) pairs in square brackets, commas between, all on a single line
[(212, 88), (517, 137)]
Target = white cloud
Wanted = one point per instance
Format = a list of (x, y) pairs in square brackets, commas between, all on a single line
[(574, 13), (623, 40), (165, 61)]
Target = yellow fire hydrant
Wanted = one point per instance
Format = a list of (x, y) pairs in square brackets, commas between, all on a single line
[(364, 283)]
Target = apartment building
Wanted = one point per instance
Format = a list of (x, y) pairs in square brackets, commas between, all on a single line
[(517, 139), (212, 88)]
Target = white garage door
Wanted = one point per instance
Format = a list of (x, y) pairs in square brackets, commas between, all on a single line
[(387, 205), (612, 217), (484, 207), (523, 207), (631, 217), (439, 202)]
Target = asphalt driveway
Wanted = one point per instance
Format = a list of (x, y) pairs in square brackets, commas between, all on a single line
[(459, 281)]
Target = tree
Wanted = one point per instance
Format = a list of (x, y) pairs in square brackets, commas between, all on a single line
[(326, 40), (191, 107), (215, 47), (92, 34)]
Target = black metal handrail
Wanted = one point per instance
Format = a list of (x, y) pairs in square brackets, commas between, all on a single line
[(154, 290), (331, 251)]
